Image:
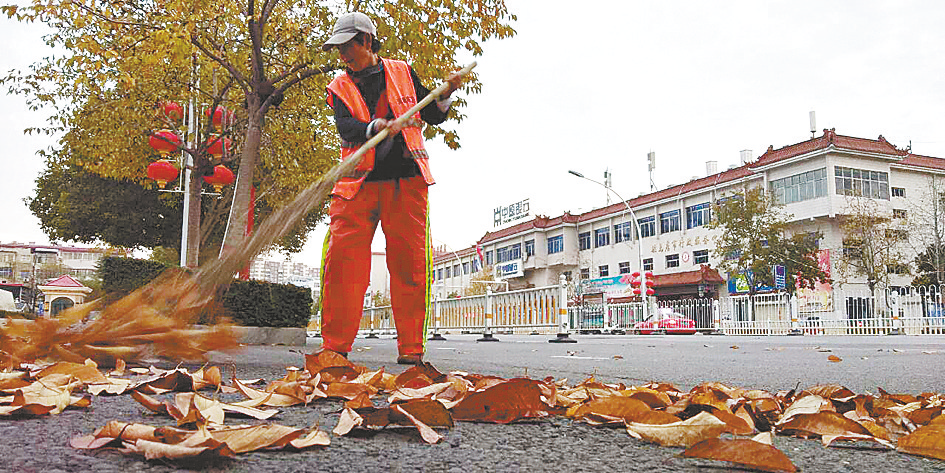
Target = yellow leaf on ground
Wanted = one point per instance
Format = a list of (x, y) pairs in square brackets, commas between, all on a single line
[(744, 453), (312, 439), (821, 424), (928, 441), (156, 450), (679, 434)]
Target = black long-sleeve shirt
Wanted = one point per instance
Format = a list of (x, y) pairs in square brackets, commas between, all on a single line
[(391, 160)]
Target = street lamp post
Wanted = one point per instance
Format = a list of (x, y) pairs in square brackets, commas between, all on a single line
[(636, 225)]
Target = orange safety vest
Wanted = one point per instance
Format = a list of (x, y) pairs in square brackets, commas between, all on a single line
[(401, 95)]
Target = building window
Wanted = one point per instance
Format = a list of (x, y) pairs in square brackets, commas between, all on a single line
[(488, 257), (603, 270), (624, 267), (647, 226), (584, 241), (648, 264), (800, 187), (897, 268), (439, 274), (466, 268), (897, 234), (515, 252), (698, 215), (502, 254), (622, 232), (898, 191), (669, 221), (529, 248), (862, 183), (672, 261), (601, 237), (456, 272), (899, 213), (585, 273), (700, 256), (447, 273), (555, 244)]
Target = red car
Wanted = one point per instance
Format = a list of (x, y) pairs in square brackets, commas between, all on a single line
[(672, 323)]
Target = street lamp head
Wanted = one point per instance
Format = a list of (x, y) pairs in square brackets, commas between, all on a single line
[(576, 173)]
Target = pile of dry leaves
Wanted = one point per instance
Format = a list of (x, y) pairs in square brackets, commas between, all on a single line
[(711, 421)]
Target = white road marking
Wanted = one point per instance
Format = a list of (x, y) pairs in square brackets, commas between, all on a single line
[(580, 357)]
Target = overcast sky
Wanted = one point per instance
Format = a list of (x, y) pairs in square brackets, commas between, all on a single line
[(598, 85)]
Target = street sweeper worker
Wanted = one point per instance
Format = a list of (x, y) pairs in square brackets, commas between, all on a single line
[(389, 187)]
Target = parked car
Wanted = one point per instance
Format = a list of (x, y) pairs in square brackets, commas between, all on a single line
[(668, 322)]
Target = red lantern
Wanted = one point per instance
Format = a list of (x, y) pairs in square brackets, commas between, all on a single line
[(222, 176), (173, 111), (164, 141), (216, 145), (162, 171), (220, 118)]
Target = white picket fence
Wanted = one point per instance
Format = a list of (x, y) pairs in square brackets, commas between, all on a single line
[(906, 310)]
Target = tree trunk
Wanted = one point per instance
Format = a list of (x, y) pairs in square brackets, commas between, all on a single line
[(236, 224), (191, 247)]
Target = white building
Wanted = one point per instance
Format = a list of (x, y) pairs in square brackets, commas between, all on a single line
[(815, 180)]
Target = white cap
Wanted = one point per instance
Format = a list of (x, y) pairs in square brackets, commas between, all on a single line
[(348, 26)]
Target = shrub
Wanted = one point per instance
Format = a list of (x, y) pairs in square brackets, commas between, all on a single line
[(121, 276), (262, 304)]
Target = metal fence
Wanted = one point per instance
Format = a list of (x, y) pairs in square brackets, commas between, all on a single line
[(914, 310), (534, 310)]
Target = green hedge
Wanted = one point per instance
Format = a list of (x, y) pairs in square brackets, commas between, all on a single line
[(263, 304), (121, 276), (249, 303)]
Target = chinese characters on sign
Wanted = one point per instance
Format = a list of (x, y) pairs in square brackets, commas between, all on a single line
[(683, 242), (509, 269), (510, 213)]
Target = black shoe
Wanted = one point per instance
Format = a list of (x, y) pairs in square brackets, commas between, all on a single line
[(416, 360)]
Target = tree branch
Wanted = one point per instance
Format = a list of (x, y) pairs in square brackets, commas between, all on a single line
[(112, 20), (267, 8), (299, 77), (244, 84)]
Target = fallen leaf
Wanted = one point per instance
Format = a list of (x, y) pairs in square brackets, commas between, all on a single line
[(314, 438), (619, 407), (679, 434), (810, 404), (267, 398), (426, 433), (503, 403), (834, 358), (928, 441), (119, 368), (744, 453), (828, 440), (257, 437), (820, 424), (155, 450)]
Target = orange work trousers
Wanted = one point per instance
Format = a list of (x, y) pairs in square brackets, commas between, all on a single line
[(401, 208)]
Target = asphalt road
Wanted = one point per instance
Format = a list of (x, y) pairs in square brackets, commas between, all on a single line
[(897, 364)]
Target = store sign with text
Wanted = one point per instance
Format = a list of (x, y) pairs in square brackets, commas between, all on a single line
[(510, 213), (509, 269)]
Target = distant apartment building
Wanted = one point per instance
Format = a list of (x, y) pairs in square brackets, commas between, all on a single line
[(19, 262), (814, 180)]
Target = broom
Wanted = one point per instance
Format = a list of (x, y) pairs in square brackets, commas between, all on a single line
[(156, 317)]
